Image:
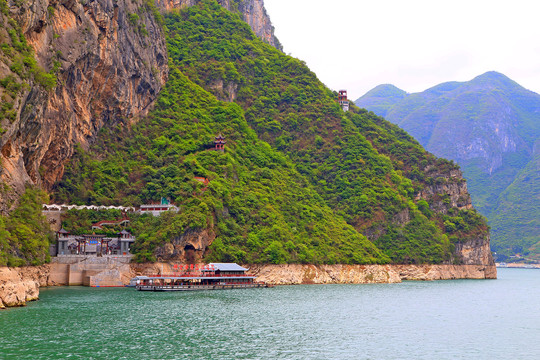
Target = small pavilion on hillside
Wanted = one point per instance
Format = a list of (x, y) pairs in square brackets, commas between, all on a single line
[(219, 143)]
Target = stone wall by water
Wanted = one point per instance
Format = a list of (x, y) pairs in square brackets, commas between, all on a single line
[(293, 274), (19, 285)]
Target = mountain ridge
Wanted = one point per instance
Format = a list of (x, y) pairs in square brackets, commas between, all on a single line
[(300, 181), (489, 125)]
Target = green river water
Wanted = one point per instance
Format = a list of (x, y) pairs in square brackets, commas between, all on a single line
[(458, 319)]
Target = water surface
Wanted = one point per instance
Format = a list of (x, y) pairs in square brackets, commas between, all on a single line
[(458, 319)]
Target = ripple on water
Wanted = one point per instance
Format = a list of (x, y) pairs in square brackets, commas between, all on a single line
[(459, 319)]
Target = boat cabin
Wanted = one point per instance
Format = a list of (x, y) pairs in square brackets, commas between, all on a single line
[(208, 277)]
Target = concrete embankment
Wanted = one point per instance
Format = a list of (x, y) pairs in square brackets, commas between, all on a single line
[(19, 285), (91, 270)]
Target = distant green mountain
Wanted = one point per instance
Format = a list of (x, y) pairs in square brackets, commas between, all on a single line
[(490, 126), (382, 98)]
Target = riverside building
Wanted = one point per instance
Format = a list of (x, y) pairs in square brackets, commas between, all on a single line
[(93, 244)]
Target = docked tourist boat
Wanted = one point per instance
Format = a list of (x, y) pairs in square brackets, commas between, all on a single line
[(213, 276)]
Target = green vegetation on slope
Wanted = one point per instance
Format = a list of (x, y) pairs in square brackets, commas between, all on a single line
[(288, 107), (25, 234), (517, 219), (261, 209), (280, 192), (489, 125)]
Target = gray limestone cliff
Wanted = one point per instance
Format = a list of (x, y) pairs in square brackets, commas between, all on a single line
[(109, 59), (449, 191), (111, 62)]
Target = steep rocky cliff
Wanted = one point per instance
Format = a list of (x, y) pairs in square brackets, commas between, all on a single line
[(107, 60), (447, 192), (111, 62), (190, 247)]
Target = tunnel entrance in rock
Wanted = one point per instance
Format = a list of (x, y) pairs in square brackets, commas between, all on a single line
[(189, 253)]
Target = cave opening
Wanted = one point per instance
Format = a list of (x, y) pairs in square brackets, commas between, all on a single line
[(189, 254)]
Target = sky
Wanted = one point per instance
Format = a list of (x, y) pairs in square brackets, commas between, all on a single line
[(412, 44)]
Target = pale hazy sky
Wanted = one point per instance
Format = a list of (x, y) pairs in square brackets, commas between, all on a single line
[(413, 44)]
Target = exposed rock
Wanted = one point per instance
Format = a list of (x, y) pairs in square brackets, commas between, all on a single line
[(255, 15), (295, 274), (403, 217), (291, 274), (113, 63), (449, 190), (224, 91), (445, 272), (189, 247), (364, 274), (475, 251), (20, 285)]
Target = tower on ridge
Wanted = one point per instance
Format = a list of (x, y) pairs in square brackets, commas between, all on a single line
[(342, 99)]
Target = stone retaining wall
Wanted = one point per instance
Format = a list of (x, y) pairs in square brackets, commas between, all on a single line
[(19, 285)]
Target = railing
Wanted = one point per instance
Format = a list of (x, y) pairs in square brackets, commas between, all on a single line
[(199, 275), (155, 287)]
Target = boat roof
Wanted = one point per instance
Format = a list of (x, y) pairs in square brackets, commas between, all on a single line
[(227, 267)]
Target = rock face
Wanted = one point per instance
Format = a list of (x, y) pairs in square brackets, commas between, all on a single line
[(449, 190), (255, 15), (295, 274), (190, 247), (445, 272), (111, 63), (292, 274), (19, 285), (475, 251)]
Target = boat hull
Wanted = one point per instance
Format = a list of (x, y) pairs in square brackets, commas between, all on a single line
[(198, 287)]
